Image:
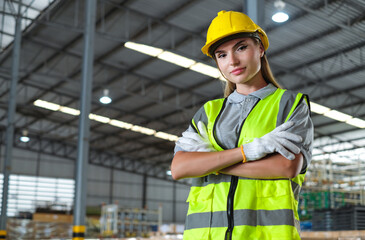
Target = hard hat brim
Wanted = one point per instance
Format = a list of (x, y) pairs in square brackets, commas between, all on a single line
[(219, 42)]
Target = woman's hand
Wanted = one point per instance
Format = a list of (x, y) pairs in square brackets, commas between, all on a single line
[(193, 142), (277, 141)]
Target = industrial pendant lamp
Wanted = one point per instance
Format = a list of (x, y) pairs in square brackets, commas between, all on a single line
[(24, 138), (280, 16), (105, 99)]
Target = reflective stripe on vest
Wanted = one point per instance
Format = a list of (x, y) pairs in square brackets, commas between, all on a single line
[(262, 209), (241, 217)]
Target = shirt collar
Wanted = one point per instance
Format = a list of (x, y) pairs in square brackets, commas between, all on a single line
[(262, 93)]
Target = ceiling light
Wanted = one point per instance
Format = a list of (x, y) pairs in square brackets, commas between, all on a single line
[(206, 70), (280, 16), (144, 130), (99, 118), (168, 172), (319, 108), (176, 59), (336, 115), (47, 105), (105, 99), (70, 111), (167, 136), (145, 49), (106, 120), (357, 122), (120, 124), (339, 116), (24, 138)]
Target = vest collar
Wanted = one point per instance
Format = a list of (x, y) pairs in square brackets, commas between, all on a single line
[(262, 93)]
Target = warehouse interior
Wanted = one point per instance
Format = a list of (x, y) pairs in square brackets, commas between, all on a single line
[(145, 56)]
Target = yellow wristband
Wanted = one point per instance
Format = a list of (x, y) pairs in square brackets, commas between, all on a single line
[(243, 155)]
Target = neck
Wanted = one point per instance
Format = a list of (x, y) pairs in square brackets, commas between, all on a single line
[(251, 86)]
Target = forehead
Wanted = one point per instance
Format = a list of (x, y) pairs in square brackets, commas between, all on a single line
[(233, 42)]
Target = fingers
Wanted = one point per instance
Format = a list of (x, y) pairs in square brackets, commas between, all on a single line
[(285, 140), (285, 153), (192, 135), (187, 141), (289, 145), (188, 145), (203, 130), (286, 148), (289, 136), (284, 126)]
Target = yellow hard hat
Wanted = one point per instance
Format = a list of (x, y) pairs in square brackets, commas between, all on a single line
[(230, 23)]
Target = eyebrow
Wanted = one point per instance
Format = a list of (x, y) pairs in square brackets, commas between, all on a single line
[(238, 43)]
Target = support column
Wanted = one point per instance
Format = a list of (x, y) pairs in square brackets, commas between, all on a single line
[(84, 122), (111, 185), (174, 202), (144, 192), (10, 124), (255, 9)]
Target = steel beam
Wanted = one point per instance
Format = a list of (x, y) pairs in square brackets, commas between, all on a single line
[(84, 123), (144, 192), (11, 118), (255, 9)]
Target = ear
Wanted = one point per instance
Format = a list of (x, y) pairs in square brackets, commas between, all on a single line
[(262, 50)]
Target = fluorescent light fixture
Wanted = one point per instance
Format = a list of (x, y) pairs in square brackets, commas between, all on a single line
[(99, 118), (167, 136), (106, 120), (105, 99), (145, 49), (357, 122), (47, 105), (280, 17), (70, 111), (144, 130), (339, 116), (319, 108), (206, 70), (176, 59), (120, 124)]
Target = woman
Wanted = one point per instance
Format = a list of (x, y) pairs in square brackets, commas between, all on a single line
[(248, 152)]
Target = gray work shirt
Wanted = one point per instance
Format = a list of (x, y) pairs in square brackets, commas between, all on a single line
[(238, 107)]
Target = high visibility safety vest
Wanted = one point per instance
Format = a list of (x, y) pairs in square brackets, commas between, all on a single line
[(230, 207)]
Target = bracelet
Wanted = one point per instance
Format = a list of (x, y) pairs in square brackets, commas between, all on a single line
[(243, 155)]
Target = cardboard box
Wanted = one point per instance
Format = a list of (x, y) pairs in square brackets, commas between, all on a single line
[(52, 217)]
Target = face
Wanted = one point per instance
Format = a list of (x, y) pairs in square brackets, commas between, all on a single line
[(240, 60)]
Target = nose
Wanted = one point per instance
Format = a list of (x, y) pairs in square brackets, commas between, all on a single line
[(233, 59)]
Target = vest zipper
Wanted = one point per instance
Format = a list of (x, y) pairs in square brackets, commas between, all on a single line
[(232, 191), (230, 202), (234, 179)]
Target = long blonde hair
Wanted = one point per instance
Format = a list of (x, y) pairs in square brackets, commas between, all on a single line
[(265, 71)]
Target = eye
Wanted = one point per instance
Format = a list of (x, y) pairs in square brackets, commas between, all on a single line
[(241, 47), (221, 55)]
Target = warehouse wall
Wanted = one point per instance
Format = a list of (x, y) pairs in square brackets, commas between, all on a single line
[(126, 188)]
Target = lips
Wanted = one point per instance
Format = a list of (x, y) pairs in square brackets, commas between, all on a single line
[(237, 71)]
